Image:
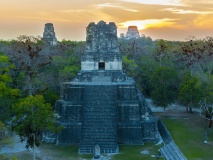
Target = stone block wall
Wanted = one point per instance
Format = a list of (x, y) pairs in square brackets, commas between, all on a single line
[(71, 134), (91, 61), (113, 76), (104, 114)]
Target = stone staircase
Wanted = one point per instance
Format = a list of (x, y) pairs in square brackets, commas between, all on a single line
[(99, 119), (171, 152)]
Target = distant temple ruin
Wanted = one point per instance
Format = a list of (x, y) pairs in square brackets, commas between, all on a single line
[(132, 32), (102, 106), (49, 34)]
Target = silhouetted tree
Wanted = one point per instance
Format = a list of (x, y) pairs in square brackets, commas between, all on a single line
[(29, 55), (163, 81)]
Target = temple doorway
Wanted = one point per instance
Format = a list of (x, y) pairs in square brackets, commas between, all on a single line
[(101, 66)]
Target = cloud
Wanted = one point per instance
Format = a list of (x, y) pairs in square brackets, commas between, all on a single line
[(84, 15), (157, 2), (41, 18), (115, 6), (184, 11), (74, 11), (204, 21), (197, 2)]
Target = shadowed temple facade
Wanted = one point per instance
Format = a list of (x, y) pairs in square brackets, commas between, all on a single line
[(49, 34), (102, 105)]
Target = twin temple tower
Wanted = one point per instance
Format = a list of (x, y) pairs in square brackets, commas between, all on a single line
[(49, 33), (102, 106)]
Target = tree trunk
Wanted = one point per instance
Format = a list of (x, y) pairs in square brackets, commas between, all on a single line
[(30, 85), (187, 109), (210, 123), (208, 131), (33, 146), (206, 137), (190, 109)]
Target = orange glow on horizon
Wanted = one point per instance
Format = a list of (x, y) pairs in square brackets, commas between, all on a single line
[(160, 19), (149, 23)]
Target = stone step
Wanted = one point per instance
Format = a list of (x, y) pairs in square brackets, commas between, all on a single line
[(99, 141), (172, 152), (96, 127), (104, 150), (100, 131), (99, 117), (85, 146), (101, 146), (101, 138), (101, 100), (101, 122), (99, 127), (98, 135), (99, 106), (96, 111), (99, 92), (96, 106), (92, 115)]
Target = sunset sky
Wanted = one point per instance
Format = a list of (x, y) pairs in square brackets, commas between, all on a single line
[(159, 19)]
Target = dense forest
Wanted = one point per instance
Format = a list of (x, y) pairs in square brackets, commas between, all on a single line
[(169, 71), (165, 71)]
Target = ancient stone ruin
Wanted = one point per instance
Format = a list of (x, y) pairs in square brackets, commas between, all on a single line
[(102, 106), (49, 34), (132, 32)]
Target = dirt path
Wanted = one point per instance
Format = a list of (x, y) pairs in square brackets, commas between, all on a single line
[(173, 108)]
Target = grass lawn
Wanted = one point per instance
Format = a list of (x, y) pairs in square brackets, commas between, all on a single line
[(188, 134), (126, 152), (186, 131), (131, 152)]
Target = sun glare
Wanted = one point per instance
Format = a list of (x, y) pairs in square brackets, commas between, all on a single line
[(149, 23)]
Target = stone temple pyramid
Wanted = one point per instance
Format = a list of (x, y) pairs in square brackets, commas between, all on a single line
[(102, 105)]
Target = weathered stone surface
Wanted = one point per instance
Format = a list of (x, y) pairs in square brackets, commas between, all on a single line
[(49, 34), (102, 38), (171, 152), (132, 32), (102, 105), (102, 51)]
